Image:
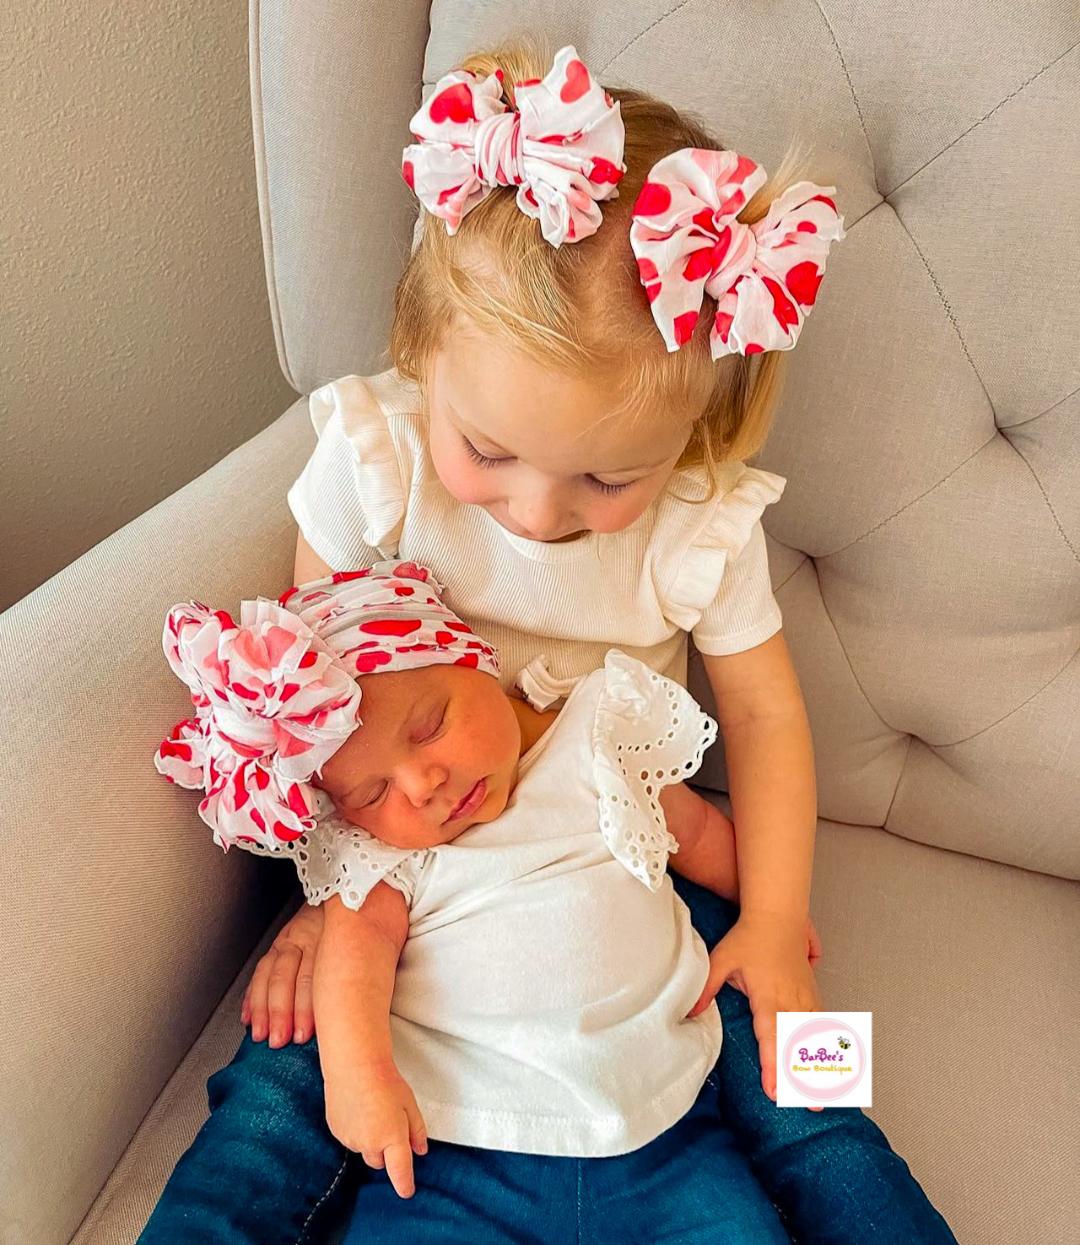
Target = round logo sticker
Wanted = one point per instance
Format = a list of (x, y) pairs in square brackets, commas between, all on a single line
[(824, 1058)]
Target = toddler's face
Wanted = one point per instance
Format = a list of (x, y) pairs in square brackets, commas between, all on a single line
[(532, 446), (437, 753)]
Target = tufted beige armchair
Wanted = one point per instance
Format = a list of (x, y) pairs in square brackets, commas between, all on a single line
[(925, 555)]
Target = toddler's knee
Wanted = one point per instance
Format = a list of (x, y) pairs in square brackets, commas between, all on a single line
[(839, 1136), (259, 1075)]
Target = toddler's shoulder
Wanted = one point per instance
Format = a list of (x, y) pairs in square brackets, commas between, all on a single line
[(700, 534), (723, 515), (370, 442), (384, 406), (691, 515)]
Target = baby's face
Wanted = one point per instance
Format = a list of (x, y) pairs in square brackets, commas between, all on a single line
[(437, 753)]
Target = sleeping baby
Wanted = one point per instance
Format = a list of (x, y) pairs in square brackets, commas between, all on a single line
[(523, 977)]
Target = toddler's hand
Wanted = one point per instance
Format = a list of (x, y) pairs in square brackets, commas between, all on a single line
[(813, 944), (769, 959), (278, 1000), (375, 1114)]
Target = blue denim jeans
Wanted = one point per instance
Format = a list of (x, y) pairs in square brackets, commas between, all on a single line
[(690, 1186), (265, 1170)]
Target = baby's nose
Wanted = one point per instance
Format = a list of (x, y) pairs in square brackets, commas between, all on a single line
[(420, 782)]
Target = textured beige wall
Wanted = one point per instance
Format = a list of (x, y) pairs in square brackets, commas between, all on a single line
[(135, 339)]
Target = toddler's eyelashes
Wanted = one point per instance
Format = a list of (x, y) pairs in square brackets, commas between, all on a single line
[(610, 489), (481, 460)]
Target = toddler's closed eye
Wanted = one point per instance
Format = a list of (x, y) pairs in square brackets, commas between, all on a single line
[(610, 489), (481, 460)]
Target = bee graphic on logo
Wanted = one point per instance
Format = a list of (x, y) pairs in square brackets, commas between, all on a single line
[(844, 1043)]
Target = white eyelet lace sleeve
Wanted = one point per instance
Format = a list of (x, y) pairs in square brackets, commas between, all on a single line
[(339, 858), (648, 732)]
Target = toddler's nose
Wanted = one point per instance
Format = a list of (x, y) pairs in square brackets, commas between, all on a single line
[(540, 515)]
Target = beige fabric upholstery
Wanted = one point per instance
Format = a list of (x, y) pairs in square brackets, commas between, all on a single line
[(124, 923), (121, 1211), (925, 554)]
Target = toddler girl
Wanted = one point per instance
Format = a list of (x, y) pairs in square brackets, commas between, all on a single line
[(563, 433)]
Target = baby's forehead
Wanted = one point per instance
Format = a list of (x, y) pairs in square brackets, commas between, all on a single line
[(388, 704), (394, 691)]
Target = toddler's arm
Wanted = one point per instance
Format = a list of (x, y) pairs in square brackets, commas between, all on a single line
[(369, 1106), (307, 565), (707, 849)]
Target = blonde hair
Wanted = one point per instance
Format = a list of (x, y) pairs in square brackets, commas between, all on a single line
[(581, 307)]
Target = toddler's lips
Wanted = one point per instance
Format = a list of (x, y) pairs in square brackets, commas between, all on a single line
[(469, 802)]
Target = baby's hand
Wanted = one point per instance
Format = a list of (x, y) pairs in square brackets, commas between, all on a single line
[(278, 999), (374, 1113)]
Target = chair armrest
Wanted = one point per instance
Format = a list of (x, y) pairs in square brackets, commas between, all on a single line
[(123, 924)]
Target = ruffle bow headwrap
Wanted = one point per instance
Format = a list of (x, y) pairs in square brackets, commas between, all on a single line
[(764, 277), (561, 145), (275, 695)]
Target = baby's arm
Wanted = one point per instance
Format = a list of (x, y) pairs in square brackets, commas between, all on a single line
[(369, 1106), (706, 841)]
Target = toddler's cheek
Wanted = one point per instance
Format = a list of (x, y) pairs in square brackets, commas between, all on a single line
[(466, 490), (614, 514), (461, 479)]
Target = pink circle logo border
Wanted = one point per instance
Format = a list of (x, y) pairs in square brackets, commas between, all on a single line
[(822, 1024)]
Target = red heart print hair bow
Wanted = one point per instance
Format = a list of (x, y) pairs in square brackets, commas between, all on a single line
[(764, 277), (562, 146), (272, 704)]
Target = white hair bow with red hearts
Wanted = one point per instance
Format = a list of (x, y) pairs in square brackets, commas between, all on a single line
[(561, 145), (688, 242)]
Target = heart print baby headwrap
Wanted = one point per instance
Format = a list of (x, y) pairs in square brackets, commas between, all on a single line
[(764, 277), (562, 146), (275, 695)]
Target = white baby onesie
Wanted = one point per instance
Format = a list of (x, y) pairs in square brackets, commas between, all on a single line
[(541, 996)]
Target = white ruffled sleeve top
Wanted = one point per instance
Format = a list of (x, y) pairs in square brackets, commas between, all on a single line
[(541, 996), (369, 490)]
